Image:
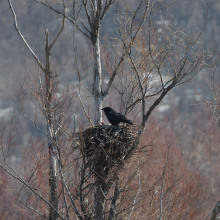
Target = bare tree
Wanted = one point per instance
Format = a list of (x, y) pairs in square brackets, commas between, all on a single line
[(48, 105), (212, 104), (151, 58)]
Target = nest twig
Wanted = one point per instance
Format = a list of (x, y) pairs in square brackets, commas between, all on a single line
[(106, 146)]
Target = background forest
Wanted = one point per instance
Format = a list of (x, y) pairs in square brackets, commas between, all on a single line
[(174, 175)]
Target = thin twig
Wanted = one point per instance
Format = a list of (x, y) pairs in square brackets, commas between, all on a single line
[(139, 189), (19, 178), (161, 190), (85, 110), (23, 39)]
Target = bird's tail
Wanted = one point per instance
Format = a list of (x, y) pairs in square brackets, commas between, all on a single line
[(130, 122)]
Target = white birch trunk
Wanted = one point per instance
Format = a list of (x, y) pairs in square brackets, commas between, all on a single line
[(95, 34), (53, 182), (98, 99)]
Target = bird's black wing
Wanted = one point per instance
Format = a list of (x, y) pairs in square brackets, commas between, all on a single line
[(118, 117), (113, 118)]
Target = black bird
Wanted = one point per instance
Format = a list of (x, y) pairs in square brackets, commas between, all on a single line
[(115, 117)]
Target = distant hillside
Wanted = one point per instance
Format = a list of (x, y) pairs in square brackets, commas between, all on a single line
[(32, 19)]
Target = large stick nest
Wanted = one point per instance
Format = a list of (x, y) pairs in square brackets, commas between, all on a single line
[(106, 146)]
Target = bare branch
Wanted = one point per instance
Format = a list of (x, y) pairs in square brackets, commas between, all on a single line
[(23, 39), (19, 178), (33, 209), (60, 13), (139, 189), (126, 49), (141, 87), (162, 184), (85, 110), (215, 212), (63, 25), (107, 6), (88, 16)]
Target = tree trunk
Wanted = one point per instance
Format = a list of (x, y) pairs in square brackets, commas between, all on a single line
[(53, 183), (114, 200), (216, 211), (100, 199), (95, 35), (99, 193), (97, 90)]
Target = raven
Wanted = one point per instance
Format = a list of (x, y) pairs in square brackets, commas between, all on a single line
[(115, 117)]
